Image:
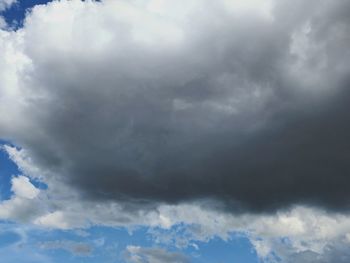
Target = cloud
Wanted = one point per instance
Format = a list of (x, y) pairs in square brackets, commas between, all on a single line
[(228, 116), (136, 254), (299, 235), (302, 233), (183, 118), (24, 205), (248, 109), (4, 4), (283, 250), (22, 187), (3, 23), (76, 248)]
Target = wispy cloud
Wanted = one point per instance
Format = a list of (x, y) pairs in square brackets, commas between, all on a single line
[(135, 254), (76, 248)]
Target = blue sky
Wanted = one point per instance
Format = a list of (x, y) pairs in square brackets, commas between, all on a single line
[(152, 131), (8, 169)]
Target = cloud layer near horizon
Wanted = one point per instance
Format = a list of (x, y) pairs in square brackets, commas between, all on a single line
[(150, 102)]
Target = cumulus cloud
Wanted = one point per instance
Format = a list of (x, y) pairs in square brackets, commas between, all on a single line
[(149, 101), (23, 205), (153, 111), (22, 187)]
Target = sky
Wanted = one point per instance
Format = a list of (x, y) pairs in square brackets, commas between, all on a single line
[(150, 131)]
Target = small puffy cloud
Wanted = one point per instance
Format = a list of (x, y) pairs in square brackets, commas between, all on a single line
[(19, 209), (53, 220), (22, 187), (24, 205)]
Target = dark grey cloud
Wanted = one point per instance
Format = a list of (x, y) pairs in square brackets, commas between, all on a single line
[(239, 108)]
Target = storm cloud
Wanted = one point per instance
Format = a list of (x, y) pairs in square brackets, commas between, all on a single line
[(158, 102)]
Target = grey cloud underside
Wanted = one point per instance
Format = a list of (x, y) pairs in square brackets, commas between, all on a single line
[(222, 116)]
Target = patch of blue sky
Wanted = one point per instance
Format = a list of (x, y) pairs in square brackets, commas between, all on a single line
[(8, 238), (38, 184), (7, 170), (237, 249), (12, 249), (14, 16)]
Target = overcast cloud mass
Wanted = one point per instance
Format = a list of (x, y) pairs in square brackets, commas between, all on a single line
[(235, 107), (171, 102)]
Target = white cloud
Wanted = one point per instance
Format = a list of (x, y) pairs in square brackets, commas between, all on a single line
[(21, 209), (55, 219), (22, 187)]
